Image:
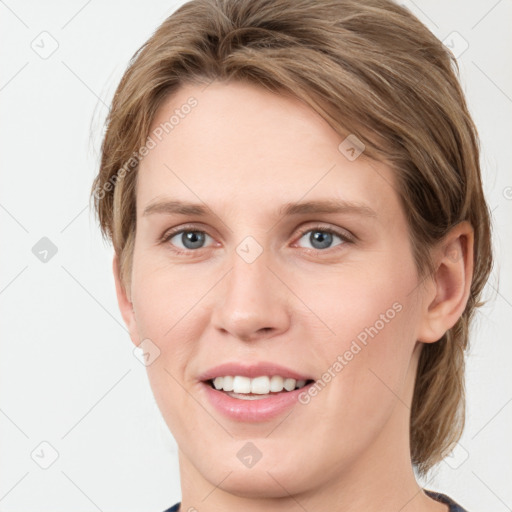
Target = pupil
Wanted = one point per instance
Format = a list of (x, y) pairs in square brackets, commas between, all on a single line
[(320, 239), (192, 239)]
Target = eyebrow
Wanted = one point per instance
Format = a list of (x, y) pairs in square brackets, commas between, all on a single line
[(170, 207)]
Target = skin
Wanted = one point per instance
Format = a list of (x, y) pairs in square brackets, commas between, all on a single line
[(244, 152)]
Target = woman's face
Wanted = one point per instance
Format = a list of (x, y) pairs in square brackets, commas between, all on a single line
[(294, 264)]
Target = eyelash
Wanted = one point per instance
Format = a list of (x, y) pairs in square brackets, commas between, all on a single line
[(345, 237)]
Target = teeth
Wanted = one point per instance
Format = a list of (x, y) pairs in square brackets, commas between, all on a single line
[(289, 384), (218, 382), (227, 384), (276, 384), (262, 385), (241, 384)]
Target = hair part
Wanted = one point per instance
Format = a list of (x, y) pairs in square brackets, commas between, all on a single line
[(371, 69)]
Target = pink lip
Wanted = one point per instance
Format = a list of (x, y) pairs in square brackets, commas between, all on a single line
[(252, 411), (252, 370), (262, 409)]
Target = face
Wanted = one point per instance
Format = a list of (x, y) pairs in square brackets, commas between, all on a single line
[(294, 268)]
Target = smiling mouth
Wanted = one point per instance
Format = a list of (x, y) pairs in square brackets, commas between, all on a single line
[(245, 388)]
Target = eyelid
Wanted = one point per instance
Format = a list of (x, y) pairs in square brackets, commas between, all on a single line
[(169, 233), (344, 234)]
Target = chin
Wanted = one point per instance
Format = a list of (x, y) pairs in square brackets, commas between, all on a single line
[(258, 483), (274, 477)]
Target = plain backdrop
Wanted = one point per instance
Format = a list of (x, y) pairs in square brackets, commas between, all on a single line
[(79, 427)]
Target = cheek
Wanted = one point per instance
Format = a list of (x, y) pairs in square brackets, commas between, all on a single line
[(166, 298), (372, 320), (169, 311), (361, 303)]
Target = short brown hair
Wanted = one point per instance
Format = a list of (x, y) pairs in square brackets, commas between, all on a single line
[(368, 68)]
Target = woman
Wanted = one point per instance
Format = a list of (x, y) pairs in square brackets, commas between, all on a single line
[(293, 193)]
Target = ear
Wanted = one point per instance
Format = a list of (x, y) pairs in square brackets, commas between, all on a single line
[(446, 299), (124, 302)]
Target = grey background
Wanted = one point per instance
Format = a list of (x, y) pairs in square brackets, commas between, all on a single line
[(68, 375)]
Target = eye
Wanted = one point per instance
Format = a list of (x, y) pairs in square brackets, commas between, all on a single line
[(322, 238), (188, 238)]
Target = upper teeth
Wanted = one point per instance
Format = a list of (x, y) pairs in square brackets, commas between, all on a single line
[(259, 385)]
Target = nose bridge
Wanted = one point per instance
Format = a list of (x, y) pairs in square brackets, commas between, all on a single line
[(249, 277), (251, 303)]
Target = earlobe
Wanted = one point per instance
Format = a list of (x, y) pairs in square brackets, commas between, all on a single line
[(452, 283), (124, 302)]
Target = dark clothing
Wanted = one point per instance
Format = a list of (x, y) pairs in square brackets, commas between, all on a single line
[(454, 507)]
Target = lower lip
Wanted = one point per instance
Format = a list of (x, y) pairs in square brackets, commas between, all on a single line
[(261, 409)]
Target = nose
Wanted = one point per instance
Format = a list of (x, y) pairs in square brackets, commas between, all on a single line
[(252, 302)]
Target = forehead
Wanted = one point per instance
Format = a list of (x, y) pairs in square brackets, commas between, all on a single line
[(240, 144)]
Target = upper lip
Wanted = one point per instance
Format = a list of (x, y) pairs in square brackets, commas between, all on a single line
[(252, 370)]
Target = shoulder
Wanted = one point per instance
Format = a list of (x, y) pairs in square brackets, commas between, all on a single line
[(174, 508), (454, 507)]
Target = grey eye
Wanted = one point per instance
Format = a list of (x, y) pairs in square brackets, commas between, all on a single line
[(320, 239), (190, 239)]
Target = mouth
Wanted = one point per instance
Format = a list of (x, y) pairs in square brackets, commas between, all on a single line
[(245, 388), (255, 392)]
